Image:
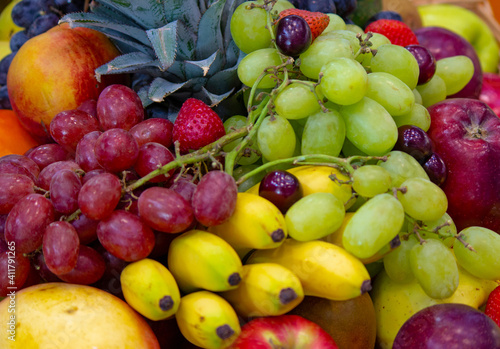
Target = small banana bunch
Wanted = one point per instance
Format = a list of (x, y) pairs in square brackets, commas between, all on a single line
[(207, 287)]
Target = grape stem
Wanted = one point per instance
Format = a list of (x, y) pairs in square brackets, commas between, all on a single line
[(460, 238)]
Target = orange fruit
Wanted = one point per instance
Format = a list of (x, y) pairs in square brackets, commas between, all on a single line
[(14, 139)]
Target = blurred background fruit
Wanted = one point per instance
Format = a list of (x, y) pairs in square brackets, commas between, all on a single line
[(14, 139), (7, 25)]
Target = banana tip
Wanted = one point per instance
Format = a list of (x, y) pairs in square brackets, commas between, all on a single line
[(166, 303), (366, 286), (278, 235), (224, 331), (234, 279), (287, 295)]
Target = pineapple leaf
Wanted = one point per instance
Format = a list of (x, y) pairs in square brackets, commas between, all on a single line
[(233, 54), (146, 13), (185, 10), (209, 31), (143, 95), (98, 21), (109, 12), (161, 88), (216, 99), (127, 63), (223, 81), (226, 19), (200, 68), (186, 41), (164, 41)]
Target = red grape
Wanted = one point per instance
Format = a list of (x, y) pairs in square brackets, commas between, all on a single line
[(99, 196), (88, 175), (151, 157), (43, 270), (90, 107), (116, 150), (60, 247), (85, 154), (69, 126), (153, 130), (118, 106), (110, 281), (21, 164), (165, 210), (282, 188), (48, 172), (184, 187), (45, 154), (214, 198), (90, 267), (86, 229), (27, 221), (64, 188), (126, 236), (14, 270), (14, 188)]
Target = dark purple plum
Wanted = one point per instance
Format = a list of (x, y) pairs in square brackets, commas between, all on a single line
[(282, 188), (414, 141), (450, 326), (345, 7), (435, 169), (426, 62), (293, 35), (444, 43)]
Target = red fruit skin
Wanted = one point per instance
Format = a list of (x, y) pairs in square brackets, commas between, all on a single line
[(490, 91), (472, 158), (317, 21), (118, 106), (196, 125), (287, 330), (396, 31), (492, 308)]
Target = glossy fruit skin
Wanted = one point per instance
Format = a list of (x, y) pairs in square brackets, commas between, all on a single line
[(466, 134), (414, 141), (14, 139), (282, 188), (492, 308), (490, 93), (443, 43), (426, 62), (65, 60), (448, 326), (396, 31), (293, 35), (436, 169)]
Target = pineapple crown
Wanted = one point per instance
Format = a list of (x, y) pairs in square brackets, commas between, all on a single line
[(183, 47)]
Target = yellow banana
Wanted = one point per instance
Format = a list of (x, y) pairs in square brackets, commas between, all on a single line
[(324, 269), (255, 224), (207, 320), (266, 289), (202, 260), (149, 288)]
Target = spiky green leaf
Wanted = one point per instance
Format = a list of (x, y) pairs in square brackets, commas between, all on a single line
[(161, 88), (164, 41), (140, 11), (209, 31), (111, 13), (185, 10), (223, 81), (131, 62), (214, 98)]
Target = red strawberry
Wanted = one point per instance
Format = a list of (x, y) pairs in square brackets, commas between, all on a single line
[(196, 125), (396, 31), (317, 21), (493, 305)]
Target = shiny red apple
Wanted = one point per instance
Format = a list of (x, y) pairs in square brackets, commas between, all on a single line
[(490, 93), (284, 332), (466, 134)]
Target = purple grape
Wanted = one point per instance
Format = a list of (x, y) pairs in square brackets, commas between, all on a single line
[(282, 188), (24, 12), (42, 24), (414, 141), (426, 62), (293, 35), (4, 98), (345, 7), (435, 168), (18, 39), (4, 67)]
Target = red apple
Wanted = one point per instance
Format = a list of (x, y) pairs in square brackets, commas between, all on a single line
[(490, 93), (466, 133), (54, 72), (285, 332)]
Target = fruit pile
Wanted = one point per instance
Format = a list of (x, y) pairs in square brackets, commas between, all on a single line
[(361, 171)]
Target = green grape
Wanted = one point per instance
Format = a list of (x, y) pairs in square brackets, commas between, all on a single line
[(354, 28), (398, 61), (256, 99), (418, 116), (324, 133), (360, 201), (418, 97), (390, 92), (298, 128), (254, 64), (283, 166), (344, 81), (435, 268), (279, 6), (322, 52), (483, 262), (423, 200), (376, 40), (336, 23), (296, 101), (349, 149), (314, 216), (276, 138), (250, 182), (441, 228), (248, 156), (371, 180), (397, 262), (341, 34), (456, 72), (373, 225), (402, 166), (432, 92), (370, 127)]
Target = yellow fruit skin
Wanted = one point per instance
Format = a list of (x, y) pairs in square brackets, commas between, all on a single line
[(7, 26), (260, 290), (201, 260), (324, 269), (396, 302), (149, 288), (62, 315), (4, 49), (201, 314), (256, 223)]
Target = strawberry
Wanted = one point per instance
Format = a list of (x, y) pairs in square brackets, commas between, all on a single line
[(493, 305), (396, 31), (196, 125), (317, 21)]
